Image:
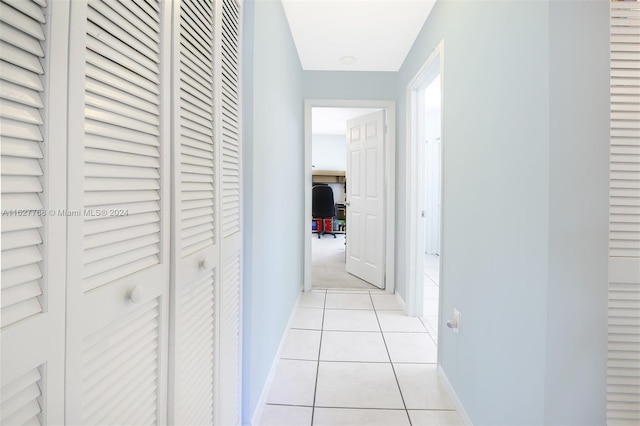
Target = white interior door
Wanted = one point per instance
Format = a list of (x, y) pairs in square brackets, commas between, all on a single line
[(205, 384), (33, 133), (365, 197), (623, 368), (195, 249), (118, 245), (229, 187)]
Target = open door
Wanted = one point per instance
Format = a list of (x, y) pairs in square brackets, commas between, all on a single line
[(365, 198)]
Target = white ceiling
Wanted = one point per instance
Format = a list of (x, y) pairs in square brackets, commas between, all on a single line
[(377, 34), (332, 121)]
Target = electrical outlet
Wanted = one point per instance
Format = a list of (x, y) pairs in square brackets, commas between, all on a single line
[(456, 320), (454, 323)]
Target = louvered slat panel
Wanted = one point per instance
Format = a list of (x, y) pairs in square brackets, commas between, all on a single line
[(21, 103), (230, 331), (122, 133), (196, 125), (18, 239), (20, 402), (116, 82), (122, 16), (195, 395), (120, 197), (625, 120), (17, 38), (10, 13), (120, 379), (194, 156), (623, 366), (230, 216)]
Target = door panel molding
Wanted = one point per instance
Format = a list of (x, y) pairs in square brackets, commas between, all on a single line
[(365, 245)]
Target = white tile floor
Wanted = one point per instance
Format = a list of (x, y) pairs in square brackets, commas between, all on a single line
[(354, 358), (431, 293)]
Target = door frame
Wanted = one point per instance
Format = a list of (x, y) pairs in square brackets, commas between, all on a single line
[(416, 185), (389, 181)]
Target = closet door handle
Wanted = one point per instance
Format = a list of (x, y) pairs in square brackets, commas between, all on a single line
[(203, 264), (136, 294)]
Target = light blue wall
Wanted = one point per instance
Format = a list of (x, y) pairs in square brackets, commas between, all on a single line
[(575, 389), (273, 192), (329, 152), (525, 163), (496, 180), (524, 255), (350, 85)]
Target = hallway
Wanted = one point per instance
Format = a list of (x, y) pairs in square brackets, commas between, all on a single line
[(353, 358), (155, 175)]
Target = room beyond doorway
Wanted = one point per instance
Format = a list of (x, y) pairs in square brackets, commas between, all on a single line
[(386, 127), (328, 266), (339, 173)]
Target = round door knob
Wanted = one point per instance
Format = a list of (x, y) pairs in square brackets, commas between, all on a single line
[(136, 294), (203, 264)]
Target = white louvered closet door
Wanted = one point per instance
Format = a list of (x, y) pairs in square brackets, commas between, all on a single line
[(195, 248), (31, 132), (119, 182), (229, 162), (623, 369)]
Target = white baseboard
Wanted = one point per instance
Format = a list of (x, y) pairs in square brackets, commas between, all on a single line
[(257, 414), (454, 398)]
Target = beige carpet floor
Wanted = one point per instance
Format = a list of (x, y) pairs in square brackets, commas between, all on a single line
[(328, 265)]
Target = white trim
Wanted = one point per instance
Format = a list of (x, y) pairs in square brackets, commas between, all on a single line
[(444, 380), (75, 168), (415, 185), (225, 403), (166, 140), (390, 181), (175, 216), (262, 400)]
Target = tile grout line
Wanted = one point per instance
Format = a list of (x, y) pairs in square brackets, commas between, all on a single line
[(433, 336), (431, 279), (361, 362), (378, 409), (423, 319), (315, 389), (391, 361), (434, 340), (360, 408)]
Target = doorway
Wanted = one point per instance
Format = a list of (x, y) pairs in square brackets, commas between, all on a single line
[(425, 186), (326, 124), (431, 136), (330, 174)]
